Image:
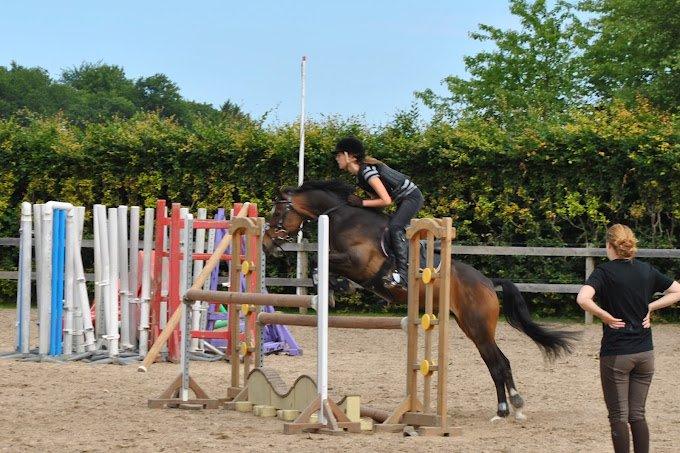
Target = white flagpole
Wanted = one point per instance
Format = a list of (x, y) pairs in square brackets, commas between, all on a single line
[(301, 177)]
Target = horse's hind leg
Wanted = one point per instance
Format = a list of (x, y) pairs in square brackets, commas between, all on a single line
[(476, 309), (493, 358), (515, 398)]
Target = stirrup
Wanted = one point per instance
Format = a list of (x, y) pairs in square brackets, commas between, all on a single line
[(392, 282)]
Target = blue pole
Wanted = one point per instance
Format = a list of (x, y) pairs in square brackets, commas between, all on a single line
[(60, 282), (55, 278)]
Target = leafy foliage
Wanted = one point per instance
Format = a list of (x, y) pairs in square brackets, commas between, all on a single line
[(555, 183), (634, 50), (95, 92)]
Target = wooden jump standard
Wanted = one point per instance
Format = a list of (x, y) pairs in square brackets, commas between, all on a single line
[(413, 411)]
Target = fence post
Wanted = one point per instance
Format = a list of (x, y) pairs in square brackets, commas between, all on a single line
[(590, 267)]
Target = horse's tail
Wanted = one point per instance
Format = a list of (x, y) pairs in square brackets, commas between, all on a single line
[(553, 343)]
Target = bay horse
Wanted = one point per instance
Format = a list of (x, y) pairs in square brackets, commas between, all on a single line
[(356, 253)]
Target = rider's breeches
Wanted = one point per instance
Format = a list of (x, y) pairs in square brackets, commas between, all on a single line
[(406, 210)]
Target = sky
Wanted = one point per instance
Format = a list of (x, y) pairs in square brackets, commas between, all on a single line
[(365, 59)]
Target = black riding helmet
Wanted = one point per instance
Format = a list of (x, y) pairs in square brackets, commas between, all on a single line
[(351, 145)]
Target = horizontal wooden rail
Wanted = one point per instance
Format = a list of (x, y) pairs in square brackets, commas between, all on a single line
[(342, 322), (521, 251), (229, 297), (470, 250), (269, 281), (559, 288)]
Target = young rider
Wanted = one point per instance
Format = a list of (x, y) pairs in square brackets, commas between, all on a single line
[(386, 186)]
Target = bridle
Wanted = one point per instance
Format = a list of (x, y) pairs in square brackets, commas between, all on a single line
[(280, 234)]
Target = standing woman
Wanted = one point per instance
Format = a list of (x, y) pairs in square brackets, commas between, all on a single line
[(624, 287), (386, 186)]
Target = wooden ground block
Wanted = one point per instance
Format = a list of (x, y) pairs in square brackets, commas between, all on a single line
[(366, 424), (287, 415), (243, 406), (268, 411)]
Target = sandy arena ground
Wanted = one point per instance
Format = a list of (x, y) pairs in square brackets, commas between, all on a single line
[(81, 407)]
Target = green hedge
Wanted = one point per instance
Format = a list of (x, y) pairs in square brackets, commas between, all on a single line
[(551, 184)]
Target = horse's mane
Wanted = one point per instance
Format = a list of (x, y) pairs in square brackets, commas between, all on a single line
[(340, 189)]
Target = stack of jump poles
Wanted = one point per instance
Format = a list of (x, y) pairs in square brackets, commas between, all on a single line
[(122, 305), (121, 300), (65, 326)]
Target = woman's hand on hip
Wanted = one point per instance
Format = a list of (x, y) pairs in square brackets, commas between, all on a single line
[(614, 323)]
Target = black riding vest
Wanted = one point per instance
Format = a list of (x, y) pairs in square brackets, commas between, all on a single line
[(397, 184)]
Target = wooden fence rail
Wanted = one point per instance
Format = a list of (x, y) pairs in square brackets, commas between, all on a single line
[(589, 253)]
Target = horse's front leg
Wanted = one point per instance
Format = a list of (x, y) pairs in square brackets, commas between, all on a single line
[(340, 262)]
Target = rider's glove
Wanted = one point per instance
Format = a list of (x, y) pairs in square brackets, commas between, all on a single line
[(353, 200)]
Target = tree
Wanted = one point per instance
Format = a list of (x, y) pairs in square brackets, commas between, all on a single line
[(99, 78), (635, 50), (31, 89), (231, 110), (159, 93), (532, 71), (102, 91)]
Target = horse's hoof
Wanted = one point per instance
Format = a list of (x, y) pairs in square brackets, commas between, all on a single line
[(496, 419), (519, 416), (409, 431)]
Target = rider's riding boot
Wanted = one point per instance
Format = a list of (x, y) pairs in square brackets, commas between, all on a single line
[(400, 249)]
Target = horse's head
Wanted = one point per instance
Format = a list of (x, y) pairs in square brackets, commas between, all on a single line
[(295, 205), (284, 223)]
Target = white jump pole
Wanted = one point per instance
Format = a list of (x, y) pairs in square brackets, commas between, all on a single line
[(104, 307), (38, 246), (146, 282), (133, 280), (123, 251), (69, 278), (45, 290), (78, 331), (98, 305), (322, 314), (185, 276), (24, 286), (81, 287), (112, 320)]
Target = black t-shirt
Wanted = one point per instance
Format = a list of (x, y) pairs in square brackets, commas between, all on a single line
[(625, 288)]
